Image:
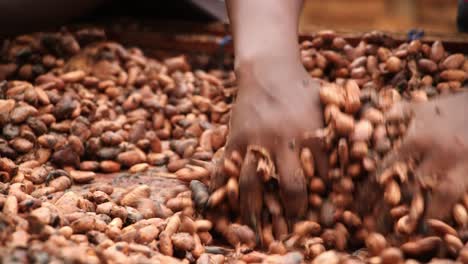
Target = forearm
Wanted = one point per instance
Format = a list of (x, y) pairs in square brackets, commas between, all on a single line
[(265, 30)]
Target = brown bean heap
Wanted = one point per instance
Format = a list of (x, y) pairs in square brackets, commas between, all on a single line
[(362, 83), (74, 106)]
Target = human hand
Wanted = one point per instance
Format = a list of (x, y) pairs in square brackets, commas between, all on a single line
[(275, 110), (437, 143)]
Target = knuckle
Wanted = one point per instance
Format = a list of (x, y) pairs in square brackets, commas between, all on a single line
[(295, 184)]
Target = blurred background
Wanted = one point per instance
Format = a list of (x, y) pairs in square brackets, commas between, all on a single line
[(435, 16)]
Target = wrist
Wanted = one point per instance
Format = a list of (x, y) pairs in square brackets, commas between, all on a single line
[(268, 63), (271, 76), (272, 55), (266, 60)]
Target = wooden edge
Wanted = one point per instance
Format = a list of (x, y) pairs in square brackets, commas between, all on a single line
[(174, 37), (189, 37), (207, 43)]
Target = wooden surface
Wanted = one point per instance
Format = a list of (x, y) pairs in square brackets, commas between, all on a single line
[(193, 37), (434, 16)]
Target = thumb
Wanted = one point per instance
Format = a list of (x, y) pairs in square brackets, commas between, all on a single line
[(400, 111), (218, 177)]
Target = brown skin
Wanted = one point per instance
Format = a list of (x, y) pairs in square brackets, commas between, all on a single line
[(437, 139), (277, 103)]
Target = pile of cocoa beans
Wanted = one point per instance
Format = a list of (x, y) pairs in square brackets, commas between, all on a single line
[(74, 106), (361, 84)]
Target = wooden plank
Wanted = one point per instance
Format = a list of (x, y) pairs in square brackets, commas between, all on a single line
[(160, 37), (389, 15), (209, 42), (338, 12)]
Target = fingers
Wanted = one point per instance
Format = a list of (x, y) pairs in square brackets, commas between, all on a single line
[(397, 160), (400, 111), (426, 174), (251, 192), (292, 182), (218, 177), (423, 179), (447, 191), (444, 184), (316, 145)]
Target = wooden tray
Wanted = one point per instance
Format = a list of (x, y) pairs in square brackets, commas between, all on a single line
[(187, 37)]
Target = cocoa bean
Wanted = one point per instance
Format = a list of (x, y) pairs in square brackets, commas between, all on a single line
[(131, 157), (82, 176)]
